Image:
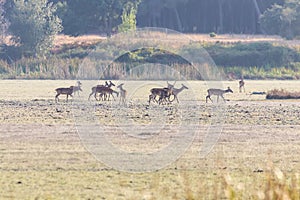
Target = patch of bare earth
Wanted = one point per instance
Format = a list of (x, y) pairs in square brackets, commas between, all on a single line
[(42, 155)]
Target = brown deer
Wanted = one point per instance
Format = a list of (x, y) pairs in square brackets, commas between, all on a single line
[(66, 91), (218, 93), (106, 92), (241, 84), (162, 93), (101, 89)]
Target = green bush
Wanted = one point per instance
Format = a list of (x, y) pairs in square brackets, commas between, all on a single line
[(253, 54)]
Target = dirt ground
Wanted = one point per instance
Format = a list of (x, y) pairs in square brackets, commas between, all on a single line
[(46, 152)]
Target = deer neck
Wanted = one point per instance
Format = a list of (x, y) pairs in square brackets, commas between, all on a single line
[(180, 89)]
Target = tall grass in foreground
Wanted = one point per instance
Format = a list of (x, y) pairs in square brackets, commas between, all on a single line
[(274, 185)]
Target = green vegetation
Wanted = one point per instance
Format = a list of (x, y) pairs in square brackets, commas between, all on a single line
[(282, 19), (82, 17), (33, 25), (128, 19), (252, 61)]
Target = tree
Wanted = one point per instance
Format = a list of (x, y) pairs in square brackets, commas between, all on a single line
[(33, 25), (282, 20), (129, 17), (270, 21), (3, 23), (128, 20)]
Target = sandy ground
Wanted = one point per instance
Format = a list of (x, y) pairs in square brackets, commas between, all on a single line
[(48, 150)]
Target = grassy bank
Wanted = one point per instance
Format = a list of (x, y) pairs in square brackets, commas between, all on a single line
[(73, 59)]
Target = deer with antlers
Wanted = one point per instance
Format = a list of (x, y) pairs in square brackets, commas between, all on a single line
[(163, 94), (104, 90)]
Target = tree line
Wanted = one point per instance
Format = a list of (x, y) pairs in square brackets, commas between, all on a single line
[(33, 23)]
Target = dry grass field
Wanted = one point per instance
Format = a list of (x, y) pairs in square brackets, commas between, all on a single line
[(62, 41), (42, 156)]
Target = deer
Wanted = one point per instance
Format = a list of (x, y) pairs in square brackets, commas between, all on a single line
[(170, 85), (241, 84), (218, 93), (163, 94), (101, 89), (106, 92), (123, 93), (176, 91), (66, 91), (77, 88)]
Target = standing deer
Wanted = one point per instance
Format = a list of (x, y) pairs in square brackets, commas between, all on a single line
[(176, 91), (66, 91), (101, 89), (77, 88), (106, 92), (241, 84), (122, 93), (163, 94), (218, 93)]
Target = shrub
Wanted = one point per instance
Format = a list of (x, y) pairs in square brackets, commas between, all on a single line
[(33, 25), (282, 94)]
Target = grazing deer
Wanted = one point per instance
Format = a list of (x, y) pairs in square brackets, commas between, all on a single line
[(217, 92), (77, 88), (176, 91), (241, 85), (66, 91), (122, 93), (100, 89)]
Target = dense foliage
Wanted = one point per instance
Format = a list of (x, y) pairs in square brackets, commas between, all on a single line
[(33, 25), (252, 61), (283, 20), (197, 16), (104, 16)]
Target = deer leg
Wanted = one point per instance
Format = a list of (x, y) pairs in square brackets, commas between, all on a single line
[(90, 95), (208, 97), (150, 97), (113, 96), (223, 98), (175, 96), (56, 97)]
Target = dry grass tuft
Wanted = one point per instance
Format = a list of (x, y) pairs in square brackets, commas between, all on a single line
[(65, 41), (282, 94)]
